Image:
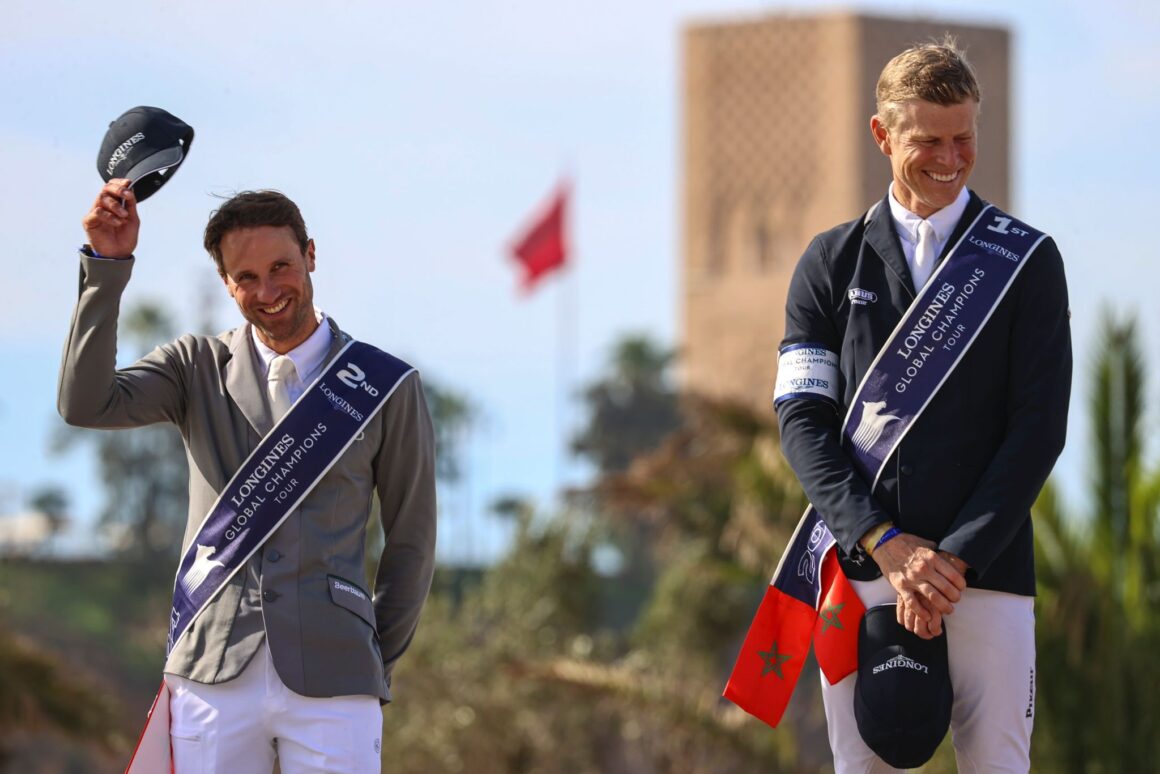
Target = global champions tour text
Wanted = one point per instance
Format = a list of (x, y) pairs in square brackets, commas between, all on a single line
[(271, 477), (945, 332)]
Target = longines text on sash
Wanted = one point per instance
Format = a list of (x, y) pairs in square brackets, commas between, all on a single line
[(282, 456)]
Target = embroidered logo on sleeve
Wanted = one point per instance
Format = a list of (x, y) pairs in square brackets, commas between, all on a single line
[(806, 371), (860, 297)]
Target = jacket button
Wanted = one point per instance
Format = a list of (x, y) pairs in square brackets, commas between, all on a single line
[(273, 555), (270, 595), (906, 470)]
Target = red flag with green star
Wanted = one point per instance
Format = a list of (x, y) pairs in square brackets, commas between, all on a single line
[(772, 657), (836, 630), (790, 616)]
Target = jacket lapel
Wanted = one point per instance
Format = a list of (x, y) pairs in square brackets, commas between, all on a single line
[(338, 340), (244, 382), (881, 236)]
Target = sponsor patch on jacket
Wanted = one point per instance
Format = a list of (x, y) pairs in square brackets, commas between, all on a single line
[(349, 595), (860, 297), (806, 371), (346, 587)]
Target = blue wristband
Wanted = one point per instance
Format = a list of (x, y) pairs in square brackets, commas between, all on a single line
[(893, 532), (90, 252)]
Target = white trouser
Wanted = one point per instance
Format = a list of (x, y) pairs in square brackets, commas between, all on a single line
[(239, 726), (991, 649)]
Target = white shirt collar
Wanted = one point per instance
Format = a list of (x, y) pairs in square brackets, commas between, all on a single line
[(943, 222), (308, 356)]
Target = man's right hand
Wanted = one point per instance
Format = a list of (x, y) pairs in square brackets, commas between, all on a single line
[(927, 584), (112, 224)]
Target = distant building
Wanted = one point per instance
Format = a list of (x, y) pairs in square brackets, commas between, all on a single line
[(777, 148)]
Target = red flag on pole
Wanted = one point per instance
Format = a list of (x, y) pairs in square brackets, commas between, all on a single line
[(542, 248)]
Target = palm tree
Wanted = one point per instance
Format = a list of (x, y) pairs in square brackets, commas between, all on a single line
[(1098, 586), (631, 408)]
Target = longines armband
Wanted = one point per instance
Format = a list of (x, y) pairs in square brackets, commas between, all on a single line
[(806, 371)]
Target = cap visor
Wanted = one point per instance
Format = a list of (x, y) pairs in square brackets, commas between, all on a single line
[(163, 159)]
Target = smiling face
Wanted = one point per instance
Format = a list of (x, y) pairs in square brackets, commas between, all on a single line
[(931, 149), (268, 274)]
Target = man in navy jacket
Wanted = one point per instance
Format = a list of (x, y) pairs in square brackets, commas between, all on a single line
[(954, 500)]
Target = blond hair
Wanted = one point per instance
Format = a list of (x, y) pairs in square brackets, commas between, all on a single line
[(933, 72)]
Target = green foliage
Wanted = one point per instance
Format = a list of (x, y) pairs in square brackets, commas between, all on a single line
[(465, 702), (37, 691), (696, 605), (549, 665), (631, 409), (1098, 587), (452, 414), (515, 677), (75, 684), (720, 504), (53, 502)]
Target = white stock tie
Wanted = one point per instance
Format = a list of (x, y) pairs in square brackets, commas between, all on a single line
[(278, 384), (924, 254)]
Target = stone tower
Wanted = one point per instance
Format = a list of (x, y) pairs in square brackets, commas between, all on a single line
[(776, 149)]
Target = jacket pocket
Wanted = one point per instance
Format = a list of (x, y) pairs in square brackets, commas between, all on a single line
[(351, 596), (187, 747)]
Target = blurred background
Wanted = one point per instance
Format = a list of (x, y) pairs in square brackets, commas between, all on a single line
[(612, 496)]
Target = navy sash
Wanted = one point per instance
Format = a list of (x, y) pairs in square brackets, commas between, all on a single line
[(281, 471), (934, 334)]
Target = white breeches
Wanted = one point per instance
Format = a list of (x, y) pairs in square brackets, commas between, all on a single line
[(991, 648)]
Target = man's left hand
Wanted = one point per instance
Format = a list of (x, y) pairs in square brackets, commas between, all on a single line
[(926, 624), (927, 584)]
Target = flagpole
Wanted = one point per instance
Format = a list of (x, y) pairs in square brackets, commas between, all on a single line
[(567, 333), (541, 249), (567, 336)]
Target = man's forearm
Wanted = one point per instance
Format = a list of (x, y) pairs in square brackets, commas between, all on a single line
[(826, 473), (89, 360), (401, 592), (91, 391), (405, 478)]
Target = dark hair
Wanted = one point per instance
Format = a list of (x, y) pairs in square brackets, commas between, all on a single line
[(933, 72), (250, 209)]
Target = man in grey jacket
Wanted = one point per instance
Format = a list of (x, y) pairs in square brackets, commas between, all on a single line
[(291, 658)]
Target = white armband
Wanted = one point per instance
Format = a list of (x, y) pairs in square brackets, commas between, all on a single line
[(806, 371)]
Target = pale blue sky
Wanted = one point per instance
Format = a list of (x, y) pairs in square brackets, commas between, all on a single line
[(418, 137)]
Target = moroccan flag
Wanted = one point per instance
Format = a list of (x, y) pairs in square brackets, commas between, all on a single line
[(542, 248), (836, 630), (772, 657), (790, 617)]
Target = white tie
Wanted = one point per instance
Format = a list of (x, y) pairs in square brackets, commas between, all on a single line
[(278, 384), (924, 254)]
